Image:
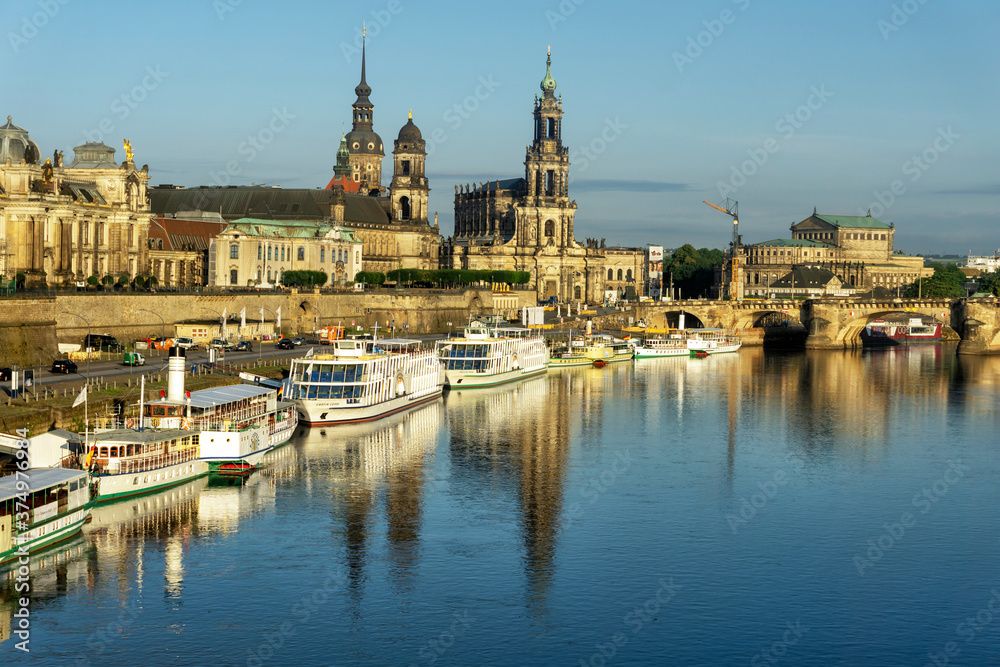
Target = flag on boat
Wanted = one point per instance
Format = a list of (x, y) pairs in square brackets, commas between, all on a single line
[(243, 318), (82, 397), (278, 313), (309, 354)]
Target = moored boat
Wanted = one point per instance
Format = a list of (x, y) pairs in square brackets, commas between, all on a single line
[(363, 380), (489, 356), (712, 341), (880, 332), (672, 344), (40, 507), (588, 350)]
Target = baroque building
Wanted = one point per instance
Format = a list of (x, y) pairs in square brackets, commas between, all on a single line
[(61, 224), (857, 250), (258, 252), (526, 224)]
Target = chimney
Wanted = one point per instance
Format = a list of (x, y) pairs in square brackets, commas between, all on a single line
[(175, 374)]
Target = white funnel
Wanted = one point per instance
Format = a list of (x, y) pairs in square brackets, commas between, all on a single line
[(175, 374)]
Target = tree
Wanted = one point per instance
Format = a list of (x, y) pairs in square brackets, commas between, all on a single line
[(990, 283), (694, 270), (946, 283)]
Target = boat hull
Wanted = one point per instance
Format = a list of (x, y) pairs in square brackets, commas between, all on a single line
[(114, 486), (45, 534), (331, 412), (458, 380)]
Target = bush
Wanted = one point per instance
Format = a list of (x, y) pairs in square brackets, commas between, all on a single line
[(303, 278), (93, 281)]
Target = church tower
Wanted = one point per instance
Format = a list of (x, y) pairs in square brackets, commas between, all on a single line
[(365, 146), (546, 174), (409, 179)]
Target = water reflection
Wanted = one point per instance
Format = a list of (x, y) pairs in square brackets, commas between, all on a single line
[(465, 499)]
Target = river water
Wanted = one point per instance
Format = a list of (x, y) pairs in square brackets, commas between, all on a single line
[(757, 508)]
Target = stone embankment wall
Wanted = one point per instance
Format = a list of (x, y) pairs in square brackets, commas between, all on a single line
[(30, 329)]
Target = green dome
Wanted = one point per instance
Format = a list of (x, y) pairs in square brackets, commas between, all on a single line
[(548, 83)]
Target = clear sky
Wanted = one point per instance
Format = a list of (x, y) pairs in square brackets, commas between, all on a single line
[(783, 106)]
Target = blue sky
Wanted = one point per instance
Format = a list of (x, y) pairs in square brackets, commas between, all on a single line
[(781, 105)]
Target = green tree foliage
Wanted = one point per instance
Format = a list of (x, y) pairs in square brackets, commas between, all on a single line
[(990, 283), (693, 270), (304, 278), (93, 280), (945, 283), (369, 277), (123, 279)]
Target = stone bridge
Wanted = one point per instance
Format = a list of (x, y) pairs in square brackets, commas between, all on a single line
[(837, 323)]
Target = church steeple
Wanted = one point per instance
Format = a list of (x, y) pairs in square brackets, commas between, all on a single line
[(343, 166), (548, 84), (363, 106), (364, 144)]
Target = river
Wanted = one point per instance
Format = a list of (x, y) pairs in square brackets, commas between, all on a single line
[(756, 508)]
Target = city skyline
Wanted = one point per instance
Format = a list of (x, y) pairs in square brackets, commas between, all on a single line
[(880, 106)]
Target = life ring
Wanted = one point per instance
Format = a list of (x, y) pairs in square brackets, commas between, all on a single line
[(516, 364), (185, 423), (400, 385), (130, 423)]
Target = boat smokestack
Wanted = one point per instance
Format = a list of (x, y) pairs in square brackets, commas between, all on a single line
[(175, 374)]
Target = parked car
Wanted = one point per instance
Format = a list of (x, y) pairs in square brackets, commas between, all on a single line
[(134, 359), (103, 342), (186, 343), (285, 344), (5, 373), (221, 344), (244, 346), (63, 366), (298, 340)]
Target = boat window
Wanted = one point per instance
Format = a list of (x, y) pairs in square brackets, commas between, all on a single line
[(312, 391), (323, 391), (159, 411), (326, 374), (114, 450), (103, 452), (172, 411)]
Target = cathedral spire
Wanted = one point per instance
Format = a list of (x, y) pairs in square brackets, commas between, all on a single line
[(548, 84), (363, 90)]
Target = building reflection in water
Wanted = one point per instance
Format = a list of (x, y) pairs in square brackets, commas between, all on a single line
[(373, 465)]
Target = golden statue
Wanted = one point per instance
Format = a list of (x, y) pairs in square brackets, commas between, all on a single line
[(128, 150)]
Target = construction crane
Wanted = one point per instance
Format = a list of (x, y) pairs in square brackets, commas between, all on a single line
[(732, 210)]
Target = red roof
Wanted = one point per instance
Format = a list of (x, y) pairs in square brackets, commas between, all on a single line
[(345, 182)]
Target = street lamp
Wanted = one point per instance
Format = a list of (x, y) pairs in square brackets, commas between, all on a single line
[(66, 312), (268, 310)]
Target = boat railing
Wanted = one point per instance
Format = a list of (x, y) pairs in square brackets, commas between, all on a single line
[(130, 466)]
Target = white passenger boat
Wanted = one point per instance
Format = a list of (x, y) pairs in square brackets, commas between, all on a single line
[(363, 380), (672, 344), (487, 356), (39, 507), (712, 341), (592, 350), (184, 435)]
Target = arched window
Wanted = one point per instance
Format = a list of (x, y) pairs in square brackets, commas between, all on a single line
[(611, 274), (550, 228), (404, 208), (302, 254), (258, 275), (576, 292), (234, 251), (340, 257), (260, 251), (269, 275), (233, 276), (269, 256), (282, 253), (619, 274), (322, 255)]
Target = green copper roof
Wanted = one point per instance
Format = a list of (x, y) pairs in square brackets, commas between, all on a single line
[(853, 221), (289, 229), (548, 83)]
